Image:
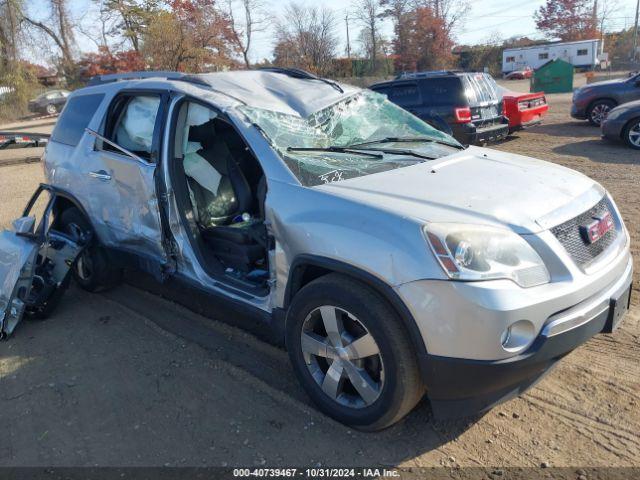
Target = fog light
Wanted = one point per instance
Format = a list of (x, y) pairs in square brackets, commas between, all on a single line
[(518, 336)]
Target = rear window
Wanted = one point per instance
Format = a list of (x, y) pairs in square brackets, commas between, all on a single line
[(443, 92), (75, 117), (481, 88), (403, 94)]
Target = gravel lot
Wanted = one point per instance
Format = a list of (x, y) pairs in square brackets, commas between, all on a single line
[(126, 378)]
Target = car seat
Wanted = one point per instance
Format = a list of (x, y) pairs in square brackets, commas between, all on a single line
[(238, 243)]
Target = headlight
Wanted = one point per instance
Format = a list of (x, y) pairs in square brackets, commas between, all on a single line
[(476, 252)]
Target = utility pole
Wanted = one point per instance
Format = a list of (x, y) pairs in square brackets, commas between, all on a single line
[(346, 20), (635, 34)]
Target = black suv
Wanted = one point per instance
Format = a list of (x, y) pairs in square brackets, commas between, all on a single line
[(466, 105)]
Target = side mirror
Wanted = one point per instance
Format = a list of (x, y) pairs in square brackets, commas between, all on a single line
[(24, 225)]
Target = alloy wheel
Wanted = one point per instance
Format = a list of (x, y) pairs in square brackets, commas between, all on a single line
[(634, 135), (342, 357), (599, 113)]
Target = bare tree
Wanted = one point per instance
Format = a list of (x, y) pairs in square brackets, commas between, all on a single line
[(253, 18), (58, 28), (368, 14), (604, 11), (101, 23), (306, 38), (452, 12), (9, 31)]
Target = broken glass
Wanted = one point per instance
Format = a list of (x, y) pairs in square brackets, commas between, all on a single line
[(364, 117)]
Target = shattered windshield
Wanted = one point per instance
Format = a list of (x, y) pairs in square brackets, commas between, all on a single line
[(366, 117)]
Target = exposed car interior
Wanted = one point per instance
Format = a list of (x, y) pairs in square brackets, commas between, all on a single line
[(221, 189)]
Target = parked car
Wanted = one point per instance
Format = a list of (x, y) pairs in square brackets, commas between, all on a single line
[(594, 101), (5, 91), (468, 103), (623, 123), (388, 258), (50, 102), (522, 74), (523, 109)]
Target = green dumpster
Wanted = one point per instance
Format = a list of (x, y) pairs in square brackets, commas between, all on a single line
[(555, 76)]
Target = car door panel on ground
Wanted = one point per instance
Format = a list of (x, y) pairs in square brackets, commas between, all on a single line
[(35, 262), (122, 186)]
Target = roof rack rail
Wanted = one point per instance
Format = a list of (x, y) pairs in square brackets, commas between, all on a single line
[(429, 73), (115, 77), (303, 74)]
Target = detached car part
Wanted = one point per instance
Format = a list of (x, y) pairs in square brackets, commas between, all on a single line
[(35, 262)]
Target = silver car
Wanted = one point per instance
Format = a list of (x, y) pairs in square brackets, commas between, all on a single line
[(390, 260)]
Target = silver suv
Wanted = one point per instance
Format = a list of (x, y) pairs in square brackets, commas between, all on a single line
[(390, 260)]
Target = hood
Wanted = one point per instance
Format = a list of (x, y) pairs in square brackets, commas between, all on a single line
[(603, 83), (625, 106), (477, 186)]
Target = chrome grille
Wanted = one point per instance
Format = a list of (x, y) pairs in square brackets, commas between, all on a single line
[(581, 251)]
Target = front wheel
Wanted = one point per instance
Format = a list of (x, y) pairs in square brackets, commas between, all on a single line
[(92, 269), (351, 353), (51, 109), (631, 134), (599, 110)]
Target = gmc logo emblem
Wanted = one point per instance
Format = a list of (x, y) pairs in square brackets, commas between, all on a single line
[(595, 230)]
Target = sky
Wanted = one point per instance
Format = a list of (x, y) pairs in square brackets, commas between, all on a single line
[(486, 19)]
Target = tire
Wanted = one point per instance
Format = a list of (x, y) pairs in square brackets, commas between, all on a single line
[(599, 110), (51, 109), (92, 270), (631, 134), (388, 363)]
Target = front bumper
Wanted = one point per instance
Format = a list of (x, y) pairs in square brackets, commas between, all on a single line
[(458, 387), (578, 111), (612, 129), (465, 368)]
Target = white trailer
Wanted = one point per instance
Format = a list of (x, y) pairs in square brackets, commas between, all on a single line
[(583, 54)]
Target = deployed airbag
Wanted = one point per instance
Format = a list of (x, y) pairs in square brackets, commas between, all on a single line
[(135, 132), (200, 170)]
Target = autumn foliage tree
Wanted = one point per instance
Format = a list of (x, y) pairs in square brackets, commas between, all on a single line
[(568, 20), (104, 62), (194, 35), (426, 43)]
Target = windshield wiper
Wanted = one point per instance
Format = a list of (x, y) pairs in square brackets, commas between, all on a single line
[(393, 151), (334, 150), (404, 140)]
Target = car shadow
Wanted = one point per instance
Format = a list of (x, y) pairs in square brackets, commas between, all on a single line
[(601, 151), (416, 434), (577, 128), (94, 372)]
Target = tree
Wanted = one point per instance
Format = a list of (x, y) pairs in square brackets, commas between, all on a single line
[(305, 38), (58, 28), (105, 62), (368, 13), (424, 30), (9, 32), (428, 45), (134, 17), (253, 18), (450, 12), (399, 11), (567, 20), (193, 36)]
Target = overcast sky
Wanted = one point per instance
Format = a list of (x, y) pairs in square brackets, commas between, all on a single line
[(486, 19)]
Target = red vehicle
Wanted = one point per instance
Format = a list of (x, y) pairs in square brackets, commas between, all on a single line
[(523, 109), (523, 74)]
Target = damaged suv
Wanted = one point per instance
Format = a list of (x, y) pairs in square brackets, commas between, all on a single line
[(388, 258)]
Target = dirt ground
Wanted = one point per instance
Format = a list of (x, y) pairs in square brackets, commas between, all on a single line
[(126, 378)]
